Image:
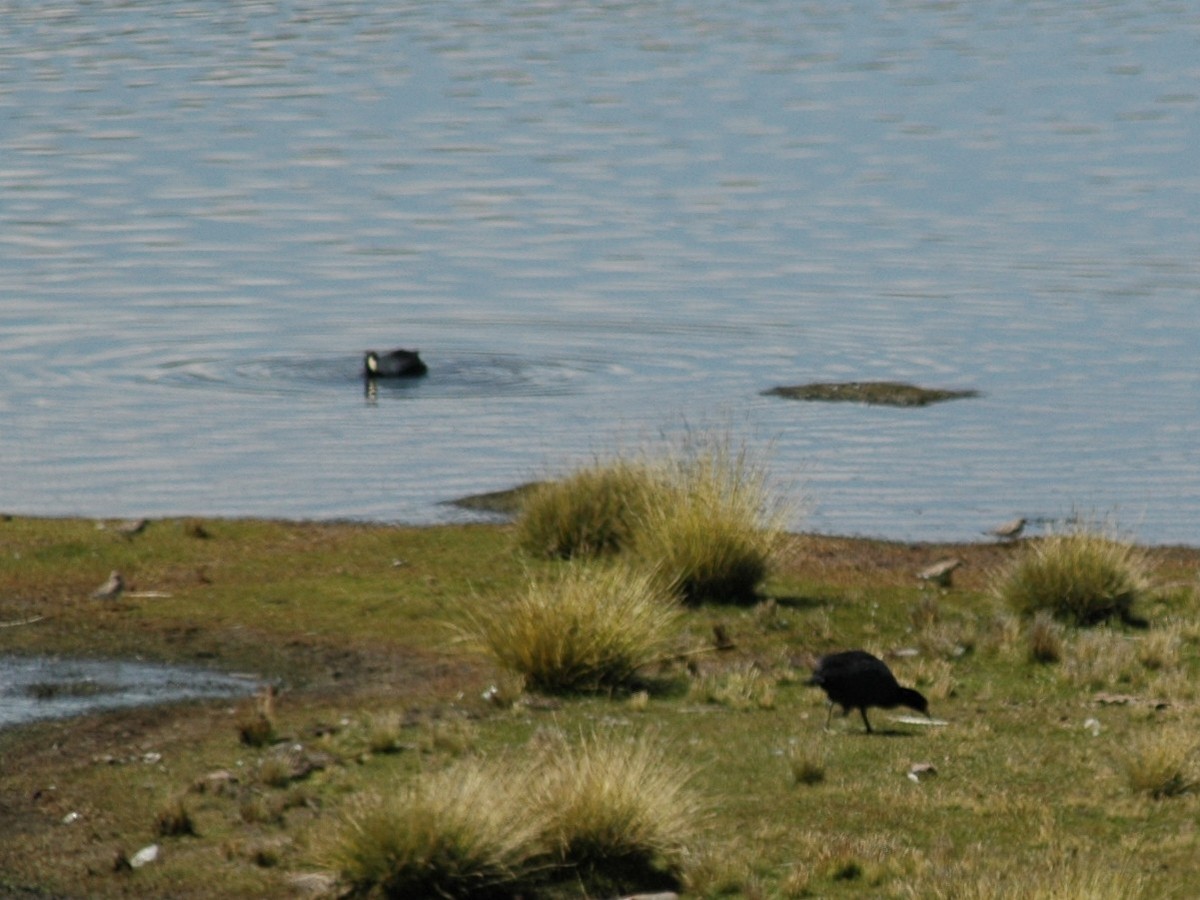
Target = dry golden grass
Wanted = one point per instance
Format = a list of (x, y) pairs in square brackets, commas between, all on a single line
[(1079, 576), (594, 511), (599, 810), (1163, 762), (465, 831), (807, 763), (587, 627), (1045, 637), (174, 819), (702, 516), (610, 801), (716, 538), (741, 687), (1055, 875), (1102, 658)]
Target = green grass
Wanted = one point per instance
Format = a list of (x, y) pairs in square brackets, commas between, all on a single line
[(1072, 776)]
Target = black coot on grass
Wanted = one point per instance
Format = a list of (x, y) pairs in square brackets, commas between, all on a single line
[(393, 364), (854, 679)]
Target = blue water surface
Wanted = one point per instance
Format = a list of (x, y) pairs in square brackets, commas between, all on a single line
[(600, 224)]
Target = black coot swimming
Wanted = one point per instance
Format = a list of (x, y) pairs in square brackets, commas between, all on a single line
[(394, 364)]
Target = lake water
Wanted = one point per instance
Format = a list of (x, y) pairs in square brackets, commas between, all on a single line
[(600, 223)]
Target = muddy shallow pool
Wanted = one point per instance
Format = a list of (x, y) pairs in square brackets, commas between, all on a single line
[(33, 688)]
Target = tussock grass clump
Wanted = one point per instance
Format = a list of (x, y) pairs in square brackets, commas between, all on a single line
[(174, 820), (714, 540), (1063, 876), (616, 806), (1045, 638), (1079, 576), (1160, 649), (1163, 763), (597, 812), (588, 628), (465, 831), (592, 512), (744, 687), (807, 764), (256, 725), (385, 733), (1101, 659)]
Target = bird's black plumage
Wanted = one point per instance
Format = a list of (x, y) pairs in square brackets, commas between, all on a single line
[(854, 679), (394, 364)]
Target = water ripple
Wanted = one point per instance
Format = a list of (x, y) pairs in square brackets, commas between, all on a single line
[(453, 375)]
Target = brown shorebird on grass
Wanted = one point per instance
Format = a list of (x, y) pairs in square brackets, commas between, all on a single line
[(941, 572), (1008, 531), (111, 589)]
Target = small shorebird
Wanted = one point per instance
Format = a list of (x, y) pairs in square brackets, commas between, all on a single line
[(1008, 531), (132, 527), (940, 572), (111, 589)]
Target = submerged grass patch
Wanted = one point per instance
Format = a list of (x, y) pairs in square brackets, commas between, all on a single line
[(884, 393)]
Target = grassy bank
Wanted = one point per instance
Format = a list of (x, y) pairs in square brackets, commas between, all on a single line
[(1068, 773)]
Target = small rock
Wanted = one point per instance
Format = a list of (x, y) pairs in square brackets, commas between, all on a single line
[(1093, 725), (918, 771), (144, 856), (315, 884), (302, 762), (71, 817)]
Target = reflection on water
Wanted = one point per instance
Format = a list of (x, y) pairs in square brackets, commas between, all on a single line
[(599, 222), (40, 688)]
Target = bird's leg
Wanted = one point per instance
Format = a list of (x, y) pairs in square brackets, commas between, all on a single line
[(829, 718), (863, 710)]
